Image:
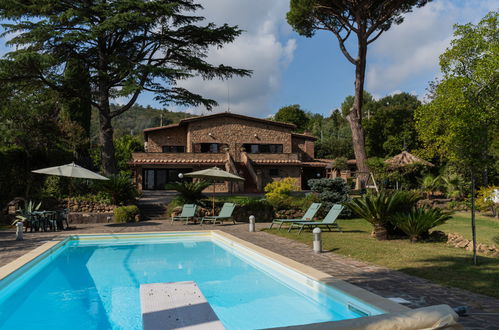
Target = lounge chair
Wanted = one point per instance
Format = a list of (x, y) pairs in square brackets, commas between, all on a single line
[(188, 213), (329, 221), (225, 214), (309, 215)]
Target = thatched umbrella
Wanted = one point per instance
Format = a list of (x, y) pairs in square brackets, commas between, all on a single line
[(406, 158)]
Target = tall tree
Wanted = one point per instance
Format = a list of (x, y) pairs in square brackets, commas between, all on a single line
[(367, 20), (460, 123), (77, 108), (128, 46), (293, 114), (391, 127)]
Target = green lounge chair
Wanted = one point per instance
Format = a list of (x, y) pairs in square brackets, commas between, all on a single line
[(329, 221), (309, 215), (225, 214), (188, 213)]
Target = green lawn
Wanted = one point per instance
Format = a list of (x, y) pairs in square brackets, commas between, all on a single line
[(437, 262), (487, 228)]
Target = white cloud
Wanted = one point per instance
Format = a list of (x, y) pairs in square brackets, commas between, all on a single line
[(411, 50), (259, 49)]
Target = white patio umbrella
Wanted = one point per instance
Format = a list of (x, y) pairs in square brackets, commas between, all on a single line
[(71, 170), (214, 174)]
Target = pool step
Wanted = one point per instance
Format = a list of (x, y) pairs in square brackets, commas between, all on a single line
[(177, 305)]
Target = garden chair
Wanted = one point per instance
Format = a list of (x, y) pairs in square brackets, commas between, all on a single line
[(329, 220), (188, 213), (62, 217), (225, 214), (309, 215)]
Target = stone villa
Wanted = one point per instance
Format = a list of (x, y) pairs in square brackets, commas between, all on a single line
[(257, 149)]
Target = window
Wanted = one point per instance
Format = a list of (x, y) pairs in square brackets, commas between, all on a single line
[(263, 148), (273, 172), (173, 149), (210, 147)]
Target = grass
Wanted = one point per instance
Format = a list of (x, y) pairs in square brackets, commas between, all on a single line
[(487, 228), (434, 261)]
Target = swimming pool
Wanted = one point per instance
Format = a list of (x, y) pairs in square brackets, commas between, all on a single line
[(92, 282)]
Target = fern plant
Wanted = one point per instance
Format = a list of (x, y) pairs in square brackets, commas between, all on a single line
[(189, 192), (417, 223)]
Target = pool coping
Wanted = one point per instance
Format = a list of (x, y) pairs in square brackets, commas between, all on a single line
[(352, 290)]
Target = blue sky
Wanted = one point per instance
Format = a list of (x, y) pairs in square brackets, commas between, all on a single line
[(312, 72)]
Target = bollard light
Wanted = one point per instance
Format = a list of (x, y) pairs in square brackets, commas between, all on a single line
[(252, 223), (19, 231), (317, 240)]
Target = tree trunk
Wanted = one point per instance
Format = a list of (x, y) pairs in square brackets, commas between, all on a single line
[(380, 232), (355, 116), (106, 137), (106, 127), (473, 226)]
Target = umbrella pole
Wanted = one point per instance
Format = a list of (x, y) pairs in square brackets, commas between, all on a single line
[(213, 200)]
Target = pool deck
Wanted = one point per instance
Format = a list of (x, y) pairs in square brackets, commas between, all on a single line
[(381, 281)]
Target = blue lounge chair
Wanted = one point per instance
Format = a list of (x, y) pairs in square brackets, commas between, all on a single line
[(225, 214), (308, 216), (188, 213), (329, 221)]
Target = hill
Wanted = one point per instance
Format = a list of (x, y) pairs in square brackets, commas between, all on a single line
[(135, 120)]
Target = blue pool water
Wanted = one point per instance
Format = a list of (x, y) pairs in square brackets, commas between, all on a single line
[(96, 286)]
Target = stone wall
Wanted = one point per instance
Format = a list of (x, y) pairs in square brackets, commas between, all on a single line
[(174, 136), (235, 132), (304, 147), (83, 206), (83, 217)]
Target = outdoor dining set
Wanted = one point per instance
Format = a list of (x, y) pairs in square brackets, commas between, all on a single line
[(46, 220)]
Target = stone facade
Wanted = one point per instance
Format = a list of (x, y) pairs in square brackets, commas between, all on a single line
[(221, 140), (177, 136)]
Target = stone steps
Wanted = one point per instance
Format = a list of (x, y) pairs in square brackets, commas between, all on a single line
[(152, 211)]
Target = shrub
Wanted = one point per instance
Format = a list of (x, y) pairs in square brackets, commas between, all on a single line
[(119, 188), (486, 199), (126, 214), (330, 192), (378, 209), (278, 193), (189, 192), (261, 209), (418, 221), (25, 212)]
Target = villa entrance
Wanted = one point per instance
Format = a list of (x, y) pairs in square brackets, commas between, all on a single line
[(158, 178)]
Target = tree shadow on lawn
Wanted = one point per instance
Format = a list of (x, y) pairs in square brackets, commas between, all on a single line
[(459, 271)]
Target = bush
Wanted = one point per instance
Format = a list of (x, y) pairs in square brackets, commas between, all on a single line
[(125, 214), (261, 209), (378, 209), (189, 192), (330, 192), (278, 193), (119, 188), (485, 200), (418, 221)]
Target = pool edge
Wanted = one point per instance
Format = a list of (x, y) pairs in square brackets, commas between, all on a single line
[(350, 289)]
